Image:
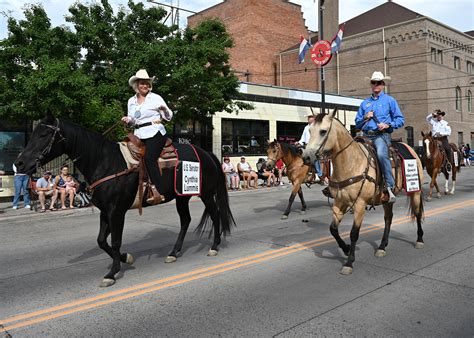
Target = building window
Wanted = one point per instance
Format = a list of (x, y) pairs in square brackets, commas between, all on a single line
[(244, 137), (440, 56), (469, 67), (457, 63), (433, 54), (460, 137), (469, 101), (289, 132), (410, 138), (458, 99)]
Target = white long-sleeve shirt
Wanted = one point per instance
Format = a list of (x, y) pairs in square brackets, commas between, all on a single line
[(149, 111), (305, 136), (438, 128)]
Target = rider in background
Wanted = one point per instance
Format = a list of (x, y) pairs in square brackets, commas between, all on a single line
[(146, 110), (377, 117), (304, 141), (441, 131)]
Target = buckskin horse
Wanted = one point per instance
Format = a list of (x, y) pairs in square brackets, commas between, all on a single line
[(97, 157), (435, 160), (296, 170), (354, 183)]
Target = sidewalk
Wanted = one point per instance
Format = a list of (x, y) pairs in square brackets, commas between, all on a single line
[(7, 213)]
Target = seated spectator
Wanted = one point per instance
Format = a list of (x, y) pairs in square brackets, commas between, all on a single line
[(247, 173), (233, 180), (60, 184), (280, 169), (45, 187), (265, 174), (70, 185)]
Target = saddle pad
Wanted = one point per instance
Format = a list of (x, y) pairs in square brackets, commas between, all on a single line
[(403, 150), (127, 156), (188, 172)]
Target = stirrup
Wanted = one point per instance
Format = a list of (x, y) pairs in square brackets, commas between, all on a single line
[(156, 197)]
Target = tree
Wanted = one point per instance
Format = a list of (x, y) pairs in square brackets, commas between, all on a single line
[(83, 73)]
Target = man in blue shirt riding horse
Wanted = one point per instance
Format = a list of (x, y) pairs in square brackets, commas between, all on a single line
[(377, 117)]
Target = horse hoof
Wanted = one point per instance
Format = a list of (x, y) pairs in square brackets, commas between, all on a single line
[(284, 217), (212, 252), (106, 282), (346, 270), (130, 259), (428, 199), (380, 253), (451, 193), (419, 245), (438, 195), (170, 259), (302, 212)]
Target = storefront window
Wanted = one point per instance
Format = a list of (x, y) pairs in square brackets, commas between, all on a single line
[(11, 145), (244, 137), (289, 132)]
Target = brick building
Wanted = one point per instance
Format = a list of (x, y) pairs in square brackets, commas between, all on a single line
[(430, 63)]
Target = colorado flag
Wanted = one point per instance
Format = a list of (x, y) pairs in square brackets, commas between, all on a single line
[(304, 46)]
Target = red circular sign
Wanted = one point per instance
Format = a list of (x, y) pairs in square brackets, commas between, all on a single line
[(321, 52)]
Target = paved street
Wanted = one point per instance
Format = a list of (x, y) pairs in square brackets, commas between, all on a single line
[(272, 277)]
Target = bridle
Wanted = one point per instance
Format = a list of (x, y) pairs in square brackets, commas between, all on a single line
[(278, 149), (56, 130), (320, 150)]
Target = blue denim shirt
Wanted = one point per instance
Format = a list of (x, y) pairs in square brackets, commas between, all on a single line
[(385, 110)]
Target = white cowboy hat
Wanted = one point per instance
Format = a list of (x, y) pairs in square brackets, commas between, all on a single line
[(378, 76), (142, 74)]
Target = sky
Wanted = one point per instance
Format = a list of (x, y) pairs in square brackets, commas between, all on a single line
[(458, 14)]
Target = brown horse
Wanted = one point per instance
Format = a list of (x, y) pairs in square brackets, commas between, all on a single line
[(354, 183), (435, 158), (296, 170)]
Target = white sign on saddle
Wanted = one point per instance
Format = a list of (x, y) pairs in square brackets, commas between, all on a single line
[(191, 179), (412, 180), (456, 160)]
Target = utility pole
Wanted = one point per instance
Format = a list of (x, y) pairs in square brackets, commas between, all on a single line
[(321, 37)]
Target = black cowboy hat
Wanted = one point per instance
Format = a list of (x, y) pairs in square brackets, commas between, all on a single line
[(442, 113)]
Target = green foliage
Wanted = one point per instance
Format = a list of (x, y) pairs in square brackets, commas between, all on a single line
[(82, 73)]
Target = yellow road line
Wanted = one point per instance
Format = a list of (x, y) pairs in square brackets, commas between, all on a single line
[(193, 275)]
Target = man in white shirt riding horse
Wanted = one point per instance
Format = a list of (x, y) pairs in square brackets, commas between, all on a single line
[(441, 131)]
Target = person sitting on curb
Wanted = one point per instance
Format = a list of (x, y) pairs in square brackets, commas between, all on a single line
[(44, 188)]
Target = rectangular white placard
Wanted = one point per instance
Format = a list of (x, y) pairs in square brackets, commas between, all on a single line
[(191, 178), (412, 181)]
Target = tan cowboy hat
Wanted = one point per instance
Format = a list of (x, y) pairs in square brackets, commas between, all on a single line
[(142, 74), (378, 76)]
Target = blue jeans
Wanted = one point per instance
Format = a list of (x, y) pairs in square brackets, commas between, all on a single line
[(21, 185), (317, 167), (381, 143)]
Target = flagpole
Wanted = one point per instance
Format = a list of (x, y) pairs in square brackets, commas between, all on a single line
[(321, 37)]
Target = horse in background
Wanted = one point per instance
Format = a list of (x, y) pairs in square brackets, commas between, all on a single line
[(296, 170), (97, 158), (435, 160), (355, 183)]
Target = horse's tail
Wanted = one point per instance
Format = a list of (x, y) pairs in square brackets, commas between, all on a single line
[(221, 197), (416, 211)]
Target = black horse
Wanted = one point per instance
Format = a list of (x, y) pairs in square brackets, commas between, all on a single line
[(96, 157)]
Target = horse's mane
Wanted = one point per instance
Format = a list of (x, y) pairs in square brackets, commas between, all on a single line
[(285, 147), (85, 138)]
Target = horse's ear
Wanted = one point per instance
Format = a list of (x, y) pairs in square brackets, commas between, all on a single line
[(422, 134), (430, 134), (49, 115), (331, 115)]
